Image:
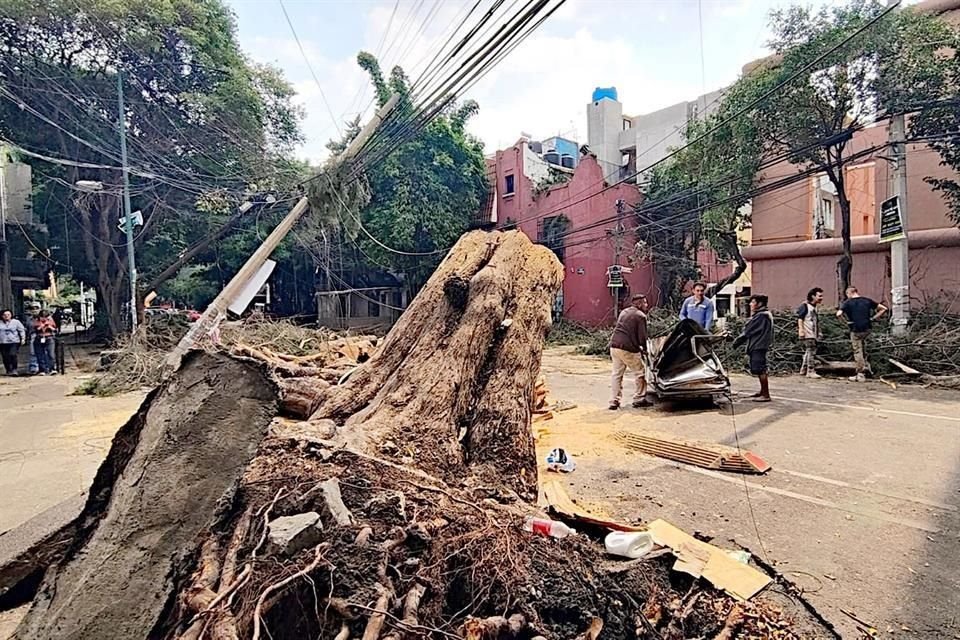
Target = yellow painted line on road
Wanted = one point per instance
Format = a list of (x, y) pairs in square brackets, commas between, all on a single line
[(912, 414), (867, 513)]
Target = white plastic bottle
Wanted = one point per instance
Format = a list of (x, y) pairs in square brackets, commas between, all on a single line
[(628, 544), (547, 527)]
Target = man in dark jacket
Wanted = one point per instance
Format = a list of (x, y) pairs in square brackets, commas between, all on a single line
[(628, 346), (758, 336)]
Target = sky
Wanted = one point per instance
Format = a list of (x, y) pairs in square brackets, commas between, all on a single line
[(655, 52)]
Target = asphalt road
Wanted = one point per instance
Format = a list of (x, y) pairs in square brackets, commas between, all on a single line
[(861, 508)]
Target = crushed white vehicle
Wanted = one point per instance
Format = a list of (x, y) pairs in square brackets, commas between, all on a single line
[(683, 365)]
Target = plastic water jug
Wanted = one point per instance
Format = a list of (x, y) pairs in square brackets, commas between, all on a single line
[(629, 544)]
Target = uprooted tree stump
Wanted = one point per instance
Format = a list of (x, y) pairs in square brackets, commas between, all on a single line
[(420, 467)]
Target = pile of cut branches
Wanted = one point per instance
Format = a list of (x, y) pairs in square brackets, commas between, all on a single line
[(932, 345), (137, 362)]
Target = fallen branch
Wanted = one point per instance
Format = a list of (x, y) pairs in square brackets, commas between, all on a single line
[(734, 619)]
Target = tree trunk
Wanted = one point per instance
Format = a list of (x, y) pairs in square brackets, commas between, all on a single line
[(454, 378), (412, 467), (845, 263), (732, 247), (170, 475)]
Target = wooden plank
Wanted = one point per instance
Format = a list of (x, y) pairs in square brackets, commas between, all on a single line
[(908, 370), (556, 498)]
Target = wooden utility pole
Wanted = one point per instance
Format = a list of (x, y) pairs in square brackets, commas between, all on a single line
[(217, 310)]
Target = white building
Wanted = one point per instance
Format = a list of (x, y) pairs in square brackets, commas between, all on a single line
[(623, 144)]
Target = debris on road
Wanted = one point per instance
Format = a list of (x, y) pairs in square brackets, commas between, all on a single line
[(702, 559), (862, 625), (293, 350), (561, 461), (633, 545), (685, 366), (547, 527), (556, 499), (708, 456)]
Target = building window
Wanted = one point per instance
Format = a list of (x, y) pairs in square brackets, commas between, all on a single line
[(627, 124), (508, 186), (551, 231), (824, 223)]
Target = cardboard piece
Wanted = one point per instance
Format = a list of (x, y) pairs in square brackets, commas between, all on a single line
[(701, 559), (553, 496)]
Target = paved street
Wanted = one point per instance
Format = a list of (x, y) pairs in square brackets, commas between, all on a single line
[(861, 509), (51, 443)]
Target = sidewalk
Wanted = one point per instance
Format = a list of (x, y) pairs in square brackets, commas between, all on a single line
[(51, 443)]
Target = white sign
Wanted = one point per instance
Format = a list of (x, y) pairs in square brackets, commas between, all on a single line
[(136, 216), (251, 288)]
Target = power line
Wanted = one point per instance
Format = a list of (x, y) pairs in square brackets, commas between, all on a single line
[(748, 107), (303, 53)]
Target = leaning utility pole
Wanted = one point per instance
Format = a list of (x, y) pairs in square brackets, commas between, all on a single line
[(899, 248), (128, 215), (217, 310), (6, 286)]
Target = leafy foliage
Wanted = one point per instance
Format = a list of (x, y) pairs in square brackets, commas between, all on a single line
[(422, 195), (700, 194), (200, 119)]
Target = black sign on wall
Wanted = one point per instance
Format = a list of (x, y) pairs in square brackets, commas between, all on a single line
[(891, 222)]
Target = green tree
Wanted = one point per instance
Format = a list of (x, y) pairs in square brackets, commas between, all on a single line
[(423, 194), (200, 119), (814, 116), (699, 195), (190, 286)]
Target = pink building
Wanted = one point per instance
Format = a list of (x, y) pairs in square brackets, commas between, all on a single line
[(796, 231), (573, 212)]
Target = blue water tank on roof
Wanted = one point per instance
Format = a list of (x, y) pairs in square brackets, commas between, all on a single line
[(604, 92)]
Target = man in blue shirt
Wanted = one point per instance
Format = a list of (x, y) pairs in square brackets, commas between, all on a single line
[(698, 307)]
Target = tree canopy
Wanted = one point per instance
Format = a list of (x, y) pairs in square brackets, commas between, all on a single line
[(822, 84), (423, 194), (851, 73), (699, 195), (205, 127)]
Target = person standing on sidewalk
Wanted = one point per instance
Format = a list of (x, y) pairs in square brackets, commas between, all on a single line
[(808, 330), (698, 307), (628, 346), (860, 313), (758, 336), (12, 335), (43, 346)]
